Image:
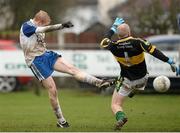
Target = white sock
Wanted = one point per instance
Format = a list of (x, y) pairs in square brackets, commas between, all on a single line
[(62, 120), (59, 115), (92, 80)]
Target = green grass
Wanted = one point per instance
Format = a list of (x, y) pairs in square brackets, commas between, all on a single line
[(86, 111)]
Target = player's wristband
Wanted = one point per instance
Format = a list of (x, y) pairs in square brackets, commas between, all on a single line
[(177, 71), (114, 29), (170, 61)]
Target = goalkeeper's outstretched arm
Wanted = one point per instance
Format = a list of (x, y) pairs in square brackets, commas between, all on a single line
[(105, 43), (158, 54), (151, 49)]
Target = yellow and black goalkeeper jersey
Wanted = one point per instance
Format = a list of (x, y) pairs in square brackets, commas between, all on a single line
[(129, 53)]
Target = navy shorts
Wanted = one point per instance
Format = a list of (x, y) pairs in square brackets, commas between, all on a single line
[(43, 66)]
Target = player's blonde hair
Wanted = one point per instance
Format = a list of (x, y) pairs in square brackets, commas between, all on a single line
[(42, 17), (123, 30)]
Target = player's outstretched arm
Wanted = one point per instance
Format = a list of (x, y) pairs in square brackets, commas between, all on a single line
[(50, 28), (107, 37), (151, 49), (158, 54)]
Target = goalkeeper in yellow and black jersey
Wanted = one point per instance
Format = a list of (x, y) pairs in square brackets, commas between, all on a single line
[(129, 53)]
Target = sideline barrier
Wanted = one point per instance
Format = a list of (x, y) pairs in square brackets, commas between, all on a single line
[(96, 62)]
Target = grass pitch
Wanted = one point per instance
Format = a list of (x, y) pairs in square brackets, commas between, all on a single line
[(86, 111)]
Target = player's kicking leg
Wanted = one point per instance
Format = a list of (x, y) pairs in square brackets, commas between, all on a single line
[(50, 85), (62, 65), (116, 106)]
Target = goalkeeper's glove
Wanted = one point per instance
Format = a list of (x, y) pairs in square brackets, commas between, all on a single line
[(174, 68), (67, 25), (117, 22)]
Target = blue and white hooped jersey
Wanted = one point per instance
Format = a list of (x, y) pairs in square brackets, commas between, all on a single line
[(32, 43)]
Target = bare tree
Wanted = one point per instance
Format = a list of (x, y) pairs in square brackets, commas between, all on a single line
[(150, 16), (154, 19), (22, 10), (6, 16)]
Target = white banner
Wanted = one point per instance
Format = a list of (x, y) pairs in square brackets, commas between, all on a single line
[(95, 62)]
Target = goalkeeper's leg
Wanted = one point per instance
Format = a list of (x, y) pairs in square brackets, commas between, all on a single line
[(117, 109), (62, 65), (49, 84)]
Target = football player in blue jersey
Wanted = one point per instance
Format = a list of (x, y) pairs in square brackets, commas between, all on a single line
[(43, 62)]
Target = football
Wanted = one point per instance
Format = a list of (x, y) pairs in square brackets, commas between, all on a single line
[(161, 83)]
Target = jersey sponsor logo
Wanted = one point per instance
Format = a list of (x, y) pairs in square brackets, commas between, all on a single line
[(124, 43), (125, 46)]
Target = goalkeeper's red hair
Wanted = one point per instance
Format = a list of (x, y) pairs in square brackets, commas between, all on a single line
[(42, 18)]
